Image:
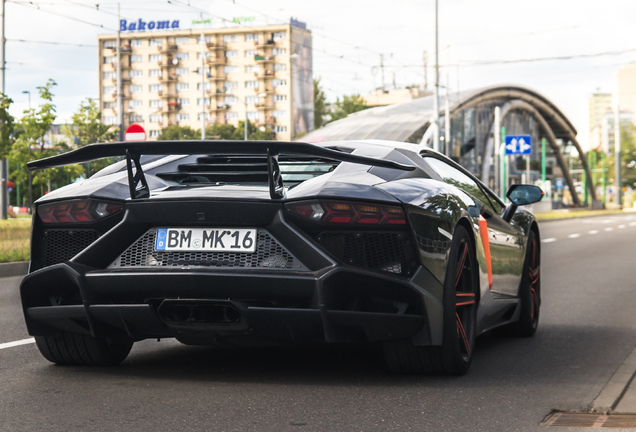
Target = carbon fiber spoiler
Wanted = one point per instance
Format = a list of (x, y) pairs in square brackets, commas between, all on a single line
[(137, 181)]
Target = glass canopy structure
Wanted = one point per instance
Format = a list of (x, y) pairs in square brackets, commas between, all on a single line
[(471, 143)]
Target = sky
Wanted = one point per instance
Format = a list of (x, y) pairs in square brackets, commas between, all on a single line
[(481, 43)]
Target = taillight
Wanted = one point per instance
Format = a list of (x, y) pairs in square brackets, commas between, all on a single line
[(73, 211), (340, 212)]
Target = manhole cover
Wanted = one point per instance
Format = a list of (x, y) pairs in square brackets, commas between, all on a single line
[(588, 420)]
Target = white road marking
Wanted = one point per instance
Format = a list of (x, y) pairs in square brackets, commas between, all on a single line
[(574, 235), (621, 227), (632, 224), (548, 240), (594, 232), (609, 229), (17, 343)]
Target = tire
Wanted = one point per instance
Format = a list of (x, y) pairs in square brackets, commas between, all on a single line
[(529, 291), (73, 349), (454, 356)]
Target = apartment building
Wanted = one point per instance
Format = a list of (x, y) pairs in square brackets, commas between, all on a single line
[(175, 77)]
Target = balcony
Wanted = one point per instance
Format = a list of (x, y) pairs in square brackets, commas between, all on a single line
[(268, 74), (263, 107), (267, 122), (217, 60), (167, 48), (263, 59), (215, 45), (267, 44), (215, 77)]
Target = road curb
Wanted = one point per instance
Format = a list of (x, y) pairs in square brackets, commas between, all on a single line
[(14, 268), (616, 387)]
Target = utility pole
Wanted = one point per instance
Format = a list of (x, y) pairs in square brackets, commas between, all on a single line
[(617, 151), (4, 173), (120, 100), (425, 58), (436, 90), (203, 86), (382, 69)]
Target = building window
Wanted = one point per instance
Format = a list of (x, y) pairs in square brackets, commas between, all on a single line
[(230, 69), (109, 105), (251, 99), (280, 113), (230, 38), (182, 86), (206, 39), (280, 35), (250, 53), (280, 67), (154, 133), (134, 73), (155, 57), (279, 82), (183, 40), (252, 115), (231, 85), (279, 51), (207, 101), (109, 89), (252, 68), (134, 103), (182, 55), (135, 43), (154, 103), (156, 118), (136, 59), (154, 72), (109, 119), (110, 44), (207, 116), (155, 42), (206, 55), (280, 98), (230, 100), (155, 87), (207, 86), (135, 118), (183, 101), (251, 37), (231, 53), (231, 116), (251, 84), (279, 129), (110, 59), (182, 71), (108, 75), (183, 117)]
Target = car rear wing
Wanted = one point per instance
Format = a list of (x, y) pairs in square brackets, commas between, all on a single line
[(133, 151)]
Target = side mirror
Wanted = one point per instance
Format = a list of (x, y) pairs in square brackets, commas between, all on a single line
[(521, 195)]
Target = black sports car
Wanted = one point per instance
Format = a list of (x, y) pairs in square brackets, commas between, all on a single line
[(246, 242)]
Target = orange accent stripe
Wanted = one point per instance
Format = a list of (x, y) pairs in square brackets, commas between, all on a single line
[(464, 295), (465, 303), (483, 231)]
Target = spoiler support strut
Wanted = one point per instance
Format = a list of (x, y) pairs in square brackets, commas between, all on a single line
[(134, 180)]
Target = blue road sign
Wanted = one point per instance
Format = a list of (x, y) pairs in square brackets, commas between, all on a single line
[(518, 144), (558, 183)]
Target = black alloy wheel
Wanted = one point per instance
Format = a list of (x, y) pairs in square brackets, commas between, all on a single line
[(454, 356), (73, 349), (529, 291)]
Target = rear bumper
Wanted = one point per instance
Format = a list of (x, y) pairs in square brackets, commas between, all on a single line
[(335, 305)]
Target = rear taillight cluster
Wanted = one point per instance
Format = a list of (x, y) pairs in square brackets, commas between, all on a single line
[(339, 212), (74, 211)]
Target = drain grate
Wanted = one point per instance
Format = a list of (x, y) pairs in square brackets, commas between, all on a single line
[(588, 420)]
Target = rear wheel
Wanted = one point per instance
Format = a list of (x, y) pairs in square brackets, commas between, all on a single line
[(454, 356), (77, 349), (529, 291)]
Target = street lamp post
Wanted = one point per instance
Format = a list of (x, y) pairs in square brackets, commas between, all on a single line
[(29, 94)]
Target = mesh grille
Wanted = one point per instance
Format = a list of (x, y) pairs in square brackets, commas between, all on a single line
[(384, 251), (59, 246), (269, 254)]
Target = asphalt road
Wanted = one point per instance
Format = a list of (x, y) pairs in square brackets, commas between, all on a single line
[(587, 330)]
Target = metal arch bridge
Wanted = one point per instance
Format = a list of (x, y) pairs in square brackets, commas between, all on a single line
[(410, 121)]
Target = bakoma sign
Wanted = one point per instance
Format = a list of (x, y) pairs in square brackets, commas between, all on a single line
[(124, 25)]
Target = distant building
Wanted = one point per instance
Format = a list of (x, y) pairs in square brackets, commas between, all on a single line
[(626, 79), (381, 97), (262, 73), (599, 107)]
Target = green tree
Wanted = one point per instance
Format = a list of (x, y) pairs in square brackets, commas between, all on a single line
[(178, 133), (231, 132), (87, 128), (320, 105), (348, 105), (31, 144), (7, 136)]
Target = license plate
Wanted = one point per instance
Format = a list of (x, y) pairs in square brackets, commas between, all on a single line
[(206, 239)]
